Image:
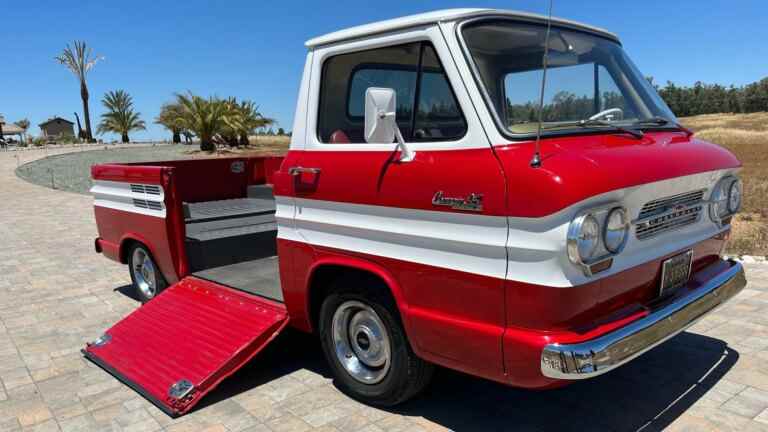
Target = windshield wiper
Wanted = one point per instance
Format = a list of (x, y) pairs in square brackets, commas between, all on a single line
[(597, 122), (658, 121), (661, 121)]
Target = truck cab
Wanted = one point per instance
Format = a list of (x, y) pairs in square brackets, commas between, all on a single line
[(441, 203)]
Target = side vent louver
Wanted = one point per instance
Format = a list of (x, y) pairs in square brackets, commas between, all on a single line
[(145, 189), (151, 205), (146, 193)]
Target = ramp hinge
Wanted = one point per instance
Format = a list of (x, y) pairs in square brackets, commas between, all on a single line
[(180, 389), (102, 340)]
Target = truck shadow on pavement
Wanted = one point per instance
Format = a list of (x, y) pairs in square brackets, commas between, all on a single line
[(648, 394)]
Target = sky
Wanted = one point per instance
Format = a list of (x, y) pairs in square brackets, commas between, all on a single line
[(255, 49)]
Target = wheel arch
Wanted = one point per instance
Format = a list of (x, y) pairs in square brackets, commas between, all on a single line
[(324, 271), (128, 240)]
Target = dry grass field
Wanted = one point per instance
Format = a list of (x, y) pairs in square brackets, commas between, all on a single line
[(258, 145), (746, 135)]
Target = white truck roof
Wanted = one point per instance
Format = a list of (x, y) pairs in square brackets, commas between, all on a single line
[(441, 16)]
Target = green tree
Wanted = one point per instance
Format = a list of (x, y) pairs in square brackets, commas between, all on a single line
[(120, 117), (170, 117), (247, 119), (24, 124), (205, 117), (80, 61), (702, 98)]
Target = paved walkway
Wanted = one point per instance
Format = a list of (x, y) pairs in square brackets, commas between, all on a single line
[(56, 294)]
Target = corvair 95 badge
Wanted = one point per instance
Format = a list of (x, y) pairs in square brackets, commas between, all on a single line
[(473, 202)]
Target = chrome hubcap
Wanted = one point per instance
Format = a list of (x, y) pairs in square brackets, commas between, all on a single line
[(361, 342), (144, 272)]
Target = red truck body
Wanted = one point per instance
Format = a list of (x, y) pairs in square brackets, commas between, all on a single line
[(195, 180), (451, 247)]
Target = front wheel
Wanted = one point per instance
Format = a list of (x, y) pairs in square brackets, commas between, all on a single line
[(147, 279), (367, 350)]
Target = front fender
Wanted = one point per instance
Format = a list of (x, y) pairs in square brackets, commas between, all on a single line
[(361, 264)]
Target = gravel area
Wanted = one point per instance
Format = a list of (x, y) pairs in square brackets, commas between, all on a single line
[(72, 172)]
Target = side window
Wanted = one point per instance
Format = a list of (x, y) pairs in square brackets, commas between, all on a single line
[(402, 81), (346, 77), (438, 116), (345, 80)]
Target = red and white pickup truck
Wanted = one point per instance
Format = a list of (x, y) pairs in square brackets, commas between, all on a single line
[(417, 220)]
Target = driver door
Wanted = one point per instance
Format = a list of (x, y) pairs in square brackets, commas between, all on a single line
[(356, 199)]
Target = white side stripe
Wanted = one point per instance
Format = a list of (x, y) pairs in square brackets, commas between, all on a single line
[(471, 243), (122, 196), (479, 244)]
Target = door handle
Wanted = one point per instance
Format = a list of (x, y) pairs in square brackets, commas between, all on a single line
[(298, 170)]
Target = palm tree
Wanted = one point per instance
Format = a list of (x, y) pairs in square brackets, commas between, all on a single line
[(243, 120), (24, 124), (233, 122), (80, 62), (170, 117), (120, 117), (252, 119), (205, 117)]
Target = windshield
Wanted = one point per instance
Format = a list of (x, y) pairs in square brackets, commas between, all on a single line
[(587, 76)]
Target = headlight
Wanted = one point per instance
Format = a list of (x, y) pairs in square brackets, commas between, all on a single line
[(583, 238), (734, 196), (616, 229), (725, 199)]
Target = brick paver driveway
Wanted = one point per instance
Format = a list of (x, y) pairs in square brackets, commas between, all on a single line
[(56, 294)]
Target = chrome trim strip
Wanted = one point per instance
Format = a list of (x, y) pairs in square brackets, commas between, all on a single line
[(598, 356)]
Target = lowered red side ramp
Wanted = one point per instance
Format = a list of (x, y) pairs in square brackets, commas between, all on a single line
[(178, 347)]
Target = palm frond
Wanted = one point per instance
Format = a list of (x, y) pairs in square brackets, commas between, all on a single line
[(119, 117), (79, 60)]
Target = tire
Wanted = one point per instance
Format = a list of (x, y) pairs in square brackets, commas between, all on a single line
[(357, 364), (146, 277)]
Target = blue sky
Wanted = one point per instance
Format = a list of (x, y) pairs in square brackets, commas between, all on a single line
[(253, 49)]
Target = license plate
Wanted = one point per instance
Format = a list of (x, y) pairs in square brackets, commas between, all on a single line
[(675, 272)]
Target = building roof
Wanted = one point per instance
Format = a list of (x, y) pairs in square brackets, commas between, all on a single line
[(442, 16), (12, 129), (51, 120)]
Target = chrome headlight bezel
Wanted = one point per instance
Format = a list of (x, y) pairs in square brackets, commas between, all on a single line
[(576, 238), (720, 206), (595, 256), (613, 244), (735, 190)]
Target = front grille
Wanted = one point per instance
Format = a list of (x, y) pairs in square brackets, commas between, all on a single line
[(666, 214)]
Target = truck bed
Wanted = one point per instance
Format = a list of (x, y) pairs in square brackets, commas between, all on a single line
[(233, 242), (223, 209), (260, 277)]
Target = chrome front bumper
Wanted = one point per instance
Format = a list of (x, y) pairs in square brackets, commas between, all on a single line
[(598, 356)]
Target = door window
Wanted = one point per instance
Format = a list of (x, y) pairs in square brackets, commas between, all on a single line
[(438, 116), (427, 109)]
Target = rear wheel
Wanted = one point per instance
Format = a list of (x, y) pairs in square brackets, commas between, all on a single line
[(147, 279), (367, 350)]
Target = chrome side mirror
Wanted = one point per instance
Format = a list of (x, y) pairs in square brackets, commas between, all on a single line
[(380, 121)]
